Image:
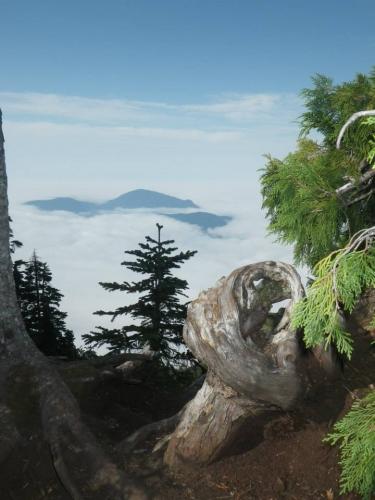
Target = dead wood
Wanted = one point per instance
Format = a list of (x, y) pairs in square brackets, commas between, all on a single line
[(251, 354), (161, 427)]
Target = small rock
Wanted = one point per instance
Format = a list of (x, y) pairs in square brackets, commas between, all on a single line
[(329, 494), (279, 486)]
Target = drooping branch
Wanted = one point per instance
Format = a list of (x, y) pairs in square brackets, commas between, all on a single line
[(365, 238), (163, 426), (357, 189), (352, 119), (361, 184), (342, 277)]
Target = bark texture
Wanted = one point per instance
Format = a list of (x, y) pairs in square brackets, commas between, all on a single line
[(251, 355), (31, 391), (364, 313)]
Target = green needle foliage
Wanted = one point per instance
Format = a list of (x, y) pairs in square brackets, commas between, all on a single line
[(316, 199), (328, 106), (13, 243), (355, 434), (39, 303), (341, 277), (158, 314), (371, 152), (299, 192)]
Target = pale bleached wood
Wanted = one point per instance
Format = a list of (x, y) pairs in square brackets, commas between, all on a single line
[(352, 119), (251, 371)]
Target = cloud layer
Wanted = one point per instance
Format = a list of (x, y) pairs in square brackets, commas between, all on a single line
[(83, 251), (229, 107), (96, 149)]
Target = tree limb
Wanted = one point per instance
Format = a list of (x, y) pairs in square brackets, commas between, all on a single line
[(161, 426), (361, 197), (364, 182), (352, 119), (353, 185)]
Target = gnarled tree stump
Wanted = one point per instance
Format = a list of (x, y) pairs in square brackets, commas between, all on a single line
[(251, 354)]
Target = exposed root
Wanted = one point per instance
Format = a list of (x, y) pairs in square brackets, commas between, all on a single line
[(162, 427)]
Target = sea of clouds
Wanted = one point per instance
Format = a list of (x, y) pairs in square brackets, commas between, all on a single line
[(82, 251), (97, 149)]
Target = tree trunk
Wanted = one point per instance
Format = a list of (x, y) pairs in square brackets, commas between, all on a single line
[(251, 354), (364, 312), (33, 398)]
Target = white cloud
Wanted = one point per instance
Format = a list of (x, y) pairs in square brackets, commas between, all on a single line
[(49, 129), (232, 107), (111, 146), (82, 251), (71, 107), (96, 149), (238, 107), (46, 160)]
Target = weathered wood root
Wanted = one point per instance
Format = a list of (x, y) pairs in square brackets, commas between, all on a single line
[(252, 370), (161, 427), (82, 467), (9, 437), (211, 424)]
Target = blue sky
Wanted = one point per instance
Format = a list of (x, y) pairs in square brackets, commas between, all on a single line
[(180, 96), (181, 50)]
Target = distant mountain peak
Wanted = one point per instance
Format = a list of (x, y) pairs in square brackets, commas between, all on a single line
[(65, 203), (204, 220), (136, 199), (144, 198)]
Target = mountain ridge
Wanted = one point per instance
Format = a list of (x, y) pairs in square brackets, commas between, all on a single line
[(132, 200)]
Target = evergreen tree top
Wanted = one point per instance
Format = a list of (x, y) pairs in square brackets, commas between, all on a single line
[(307, 203), (328, 106), (13, 243), (39, 303), (158, 315)]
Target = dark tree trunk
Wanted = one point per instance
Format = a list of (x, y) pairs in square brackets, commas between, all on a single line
[(32, 393)]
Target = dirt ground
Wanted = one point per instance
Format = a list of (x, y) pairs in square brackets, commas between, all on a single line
[(288, 460)]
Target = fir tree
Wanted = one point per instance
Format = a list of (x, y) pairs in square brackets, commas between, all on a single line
[(13, 243), (39, 303), (158, 313), (18, 265)]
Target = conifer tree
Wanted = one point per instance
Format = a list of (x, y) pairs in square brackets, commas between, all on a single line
[(18, 265), (13, 243), (319, 196), (39, 303), (158, 314), (321, 199)]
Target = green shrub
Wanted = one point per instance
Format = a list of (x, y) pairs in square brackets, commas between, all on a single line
[(341, 277), (355, 434)]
